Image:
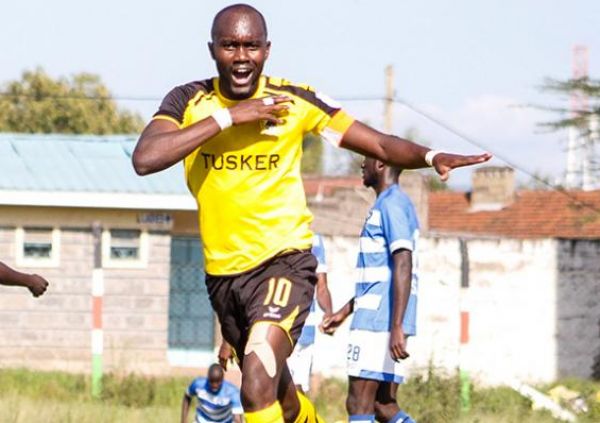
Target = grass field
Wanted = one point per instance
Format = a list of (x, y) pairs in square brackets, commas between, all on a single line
[(54, 397)]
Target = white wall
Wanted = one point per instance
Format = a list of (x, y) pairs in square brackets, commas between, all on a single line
[(511, 299)]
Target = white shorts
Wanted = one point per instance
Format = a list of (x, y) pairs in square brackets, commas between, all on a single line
[(300, 363), (368, 357)]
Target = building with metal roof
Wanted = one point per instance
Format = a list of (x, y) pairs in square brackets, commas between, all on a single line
[(84, 171)]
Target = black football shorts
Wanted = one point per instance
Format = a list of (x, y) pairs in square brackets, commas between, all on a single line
[(280, 290)]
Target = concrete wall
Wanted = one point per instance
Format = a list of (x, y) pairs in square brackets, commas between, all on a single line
[(136, 312), (511, 298), (578, 308), (54, 331)]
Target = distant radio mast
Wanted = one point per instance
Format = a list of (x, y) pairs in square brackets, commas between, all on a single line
[(578, 149), (576, 143)]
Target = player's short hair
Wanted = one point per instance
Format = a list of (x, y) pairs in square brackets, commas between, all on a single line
[(237, 8), (215, 371)]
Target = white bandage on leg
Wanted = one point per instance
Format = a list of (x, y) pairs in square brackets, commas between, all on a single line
[(268, 101), (259, 345)]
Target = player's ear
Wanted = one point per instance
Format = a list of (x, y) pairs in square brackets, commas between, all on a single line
[(211, 49), (268, 50)]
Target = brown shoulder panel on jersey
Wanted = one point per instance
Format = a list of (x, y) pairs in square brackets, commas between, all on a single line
[(176, 101), (305, 94)]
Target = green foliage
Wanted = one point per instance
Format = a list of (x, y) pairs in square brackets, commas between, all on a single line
[(431, 399), (128, 390), (583, 86), (81, 104), (330, 399), (312, 156)]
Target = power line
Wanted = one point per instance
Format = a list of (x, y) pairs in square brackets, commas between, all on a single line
[(404, 102), (40, 97), (482, 146), (79, 97)]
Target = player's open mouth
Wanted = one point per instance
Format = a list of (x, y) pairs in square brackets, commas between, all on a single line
[(241, 76)]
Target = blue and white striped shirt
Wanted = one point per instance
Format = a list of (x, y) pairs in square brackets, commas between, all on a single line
[(391, 225), (215, 407), (307, 337)]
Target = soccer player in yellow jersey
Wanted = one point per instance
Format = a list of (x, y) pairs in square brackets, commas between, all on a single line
[(240, 138)]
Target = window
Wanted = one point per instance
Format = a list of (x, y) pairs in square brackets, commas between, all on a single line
[(125, 248), (37, 246)]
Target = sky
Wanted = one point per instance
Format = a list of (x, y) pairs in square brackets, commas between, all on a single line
[(469, 63)]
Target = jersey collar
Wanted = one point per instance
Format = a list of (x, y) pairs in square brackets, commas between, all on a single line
[(262, 81)]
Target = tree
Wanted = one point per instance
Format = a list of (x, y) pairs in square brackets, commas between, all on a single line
[(81, 104), (574, 118)]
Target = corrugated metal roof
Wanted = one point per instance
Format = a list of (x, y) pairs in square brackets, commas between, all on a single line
[(79, 163)]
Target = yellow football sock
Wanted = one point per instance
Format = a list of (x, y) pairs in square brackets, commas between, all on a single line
[(307, 412), (272, 414)]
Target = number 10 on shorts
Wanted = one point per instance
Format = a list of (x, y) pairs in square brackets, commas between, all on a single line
[(279, 292), (353, 353)]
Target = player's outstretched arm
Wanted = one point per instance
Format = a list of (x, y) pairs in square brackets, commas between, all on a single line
[(163, 143), (403, 153), (330, 323), (35, 283)]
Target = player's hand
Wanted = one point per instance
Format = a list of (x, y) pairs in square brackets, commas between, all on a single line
[(329, 324), (37, 285), (269, 109), (445, 162), (225, 354), (398, 344)]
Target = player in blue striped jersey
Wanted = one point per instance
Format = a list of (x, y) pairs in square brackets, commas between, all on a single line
[(385, 300), (300, 361), (218, 400)]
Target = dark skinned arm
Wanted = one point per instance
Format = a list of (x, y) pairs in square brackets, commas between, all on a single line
[(330, 324), (185, 407), (402, 153), (323, 294), (163, 143), (237, 418), (225, 354), (401, 280), (10, 277)]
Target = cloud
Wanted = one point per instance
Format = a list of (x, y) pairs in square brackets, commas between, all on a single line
[(498, 122)]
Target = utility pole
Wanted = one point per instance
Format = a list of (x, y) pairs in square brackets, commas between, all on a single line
[(388, 110), (97, 300)]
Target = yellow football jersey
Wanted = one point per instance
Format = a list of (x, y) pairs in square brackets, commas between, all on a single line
[(246, 180)]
